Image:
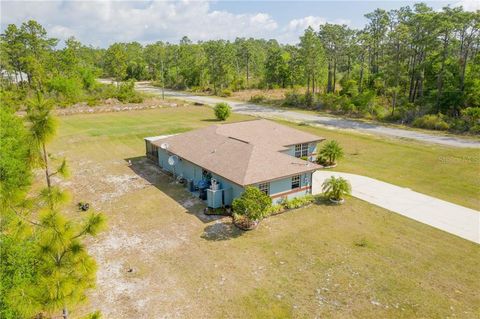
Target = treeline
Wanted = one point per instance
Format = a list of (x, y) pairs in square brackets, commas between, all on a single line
[(402, 65), (31, 64)]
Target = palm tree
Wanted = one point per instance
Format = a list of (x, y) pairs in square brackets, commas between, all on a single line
[(335, 188), (332, 151)]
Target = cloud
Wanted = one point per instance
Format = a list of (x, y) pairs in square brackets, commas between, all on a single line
[(303, 23), (295, 28), (101, 23), (468, 5)]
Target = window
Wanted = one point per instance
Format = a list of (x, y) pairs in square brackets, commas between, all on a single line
[(295, 181), (264, 187), (301, 150)]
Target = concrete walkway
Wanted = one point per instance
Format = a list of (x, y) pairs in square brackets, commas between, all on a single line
[(455, 219), (325, 121)]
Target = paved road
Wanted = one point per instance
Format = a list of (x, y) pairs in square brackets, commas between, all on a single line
[(455, 219), (330, 122)]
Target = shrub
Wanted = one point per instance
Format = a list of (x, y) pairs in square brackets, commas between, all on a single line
[(297, 202), (257, 98), (126, 93), (293, 98), (68, 88), (475, 129), (348, 108), (471, 115), (253, 204), (222, 111), (294, 203), (273, 210), (88, 78), (336, 188), (331, 151), (432, 122), (364, 101), (349, 88), (308, 99), (226, 93)]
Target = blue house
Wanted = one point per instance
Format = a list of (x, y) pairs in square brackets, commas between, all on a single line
[(219, 161)]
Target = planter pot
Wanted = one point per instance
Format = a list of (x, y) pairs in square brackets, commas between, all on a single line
[(245, 225), (337, 202)]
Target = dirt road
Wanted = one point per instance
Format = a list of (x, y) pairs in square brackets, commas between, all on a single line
[(312, 119)]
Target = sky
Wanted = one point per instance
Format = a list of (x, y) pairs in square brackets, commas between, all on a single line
[(101, 23)]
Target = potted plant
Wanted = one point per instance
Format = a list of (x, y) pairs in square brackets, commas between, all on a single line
[(335, 189), (329, 154), (250, 208)]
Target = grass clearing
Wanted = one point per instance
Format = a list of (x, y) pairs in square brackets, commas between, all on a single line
[(355, 260)]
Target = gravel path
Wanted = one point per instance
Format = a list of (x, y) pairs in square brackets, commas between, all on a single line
[(455, 219), (331, 122)]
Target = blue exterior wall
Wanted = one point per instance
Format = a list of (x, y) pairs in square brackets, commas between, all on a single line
[(194, 172), (312, 147), (279, 186)]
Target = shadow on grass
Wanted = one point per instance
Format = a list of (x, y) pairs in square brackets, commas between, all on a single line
[(212, 120), (150, 172), (321, 200), (221, 231)]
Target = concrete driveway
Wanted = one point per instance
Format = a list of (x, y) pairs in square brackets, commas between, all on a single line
[(455, 219), (330, 122)]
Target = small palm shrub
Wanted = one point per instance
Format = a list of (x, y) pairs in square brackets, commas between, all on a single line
[(222, 111), (336, 188), (253, 204), (330, 153)]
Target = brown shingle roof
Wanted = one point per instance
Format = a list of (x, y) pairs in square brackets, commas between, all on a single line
[(245, 153), (267, 133)]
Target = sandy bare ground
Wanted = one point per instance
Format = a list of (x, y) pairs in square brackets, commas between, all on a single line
[(144, 225)]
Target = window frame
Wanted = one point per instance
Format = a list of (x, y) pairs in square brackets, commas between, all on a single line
[(296, 180), (301, 150), (264, 188)]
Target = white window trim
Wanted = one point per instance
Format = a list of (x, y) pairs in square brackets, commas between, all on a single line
[(299, 179), (265, 188), (301, 150)]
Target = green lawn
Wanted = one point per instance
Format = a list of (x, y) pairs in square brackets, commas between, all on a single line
[(355, 260), (451, 174)]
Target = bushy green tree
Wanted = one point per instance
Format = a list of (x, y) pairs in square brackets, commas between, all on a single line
[(17, 262), (222, 111), (253, 204)]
